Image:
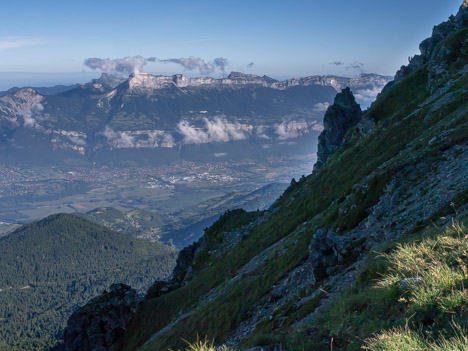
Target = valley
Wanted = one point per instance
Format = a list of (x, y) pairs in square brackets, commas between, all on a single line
[(181, 190)]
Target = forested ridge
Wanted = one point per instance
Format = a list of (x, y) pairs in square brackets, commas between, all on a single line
[(49, 267)]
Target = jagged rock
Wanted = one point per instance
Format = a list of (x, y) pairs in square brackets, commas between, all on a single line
[(328, 251), (96, 325), (182, 273), (433, 50), (339, 118)]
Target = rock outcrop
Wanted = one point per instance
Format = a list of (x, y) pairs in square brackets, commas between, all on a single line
[(436, 51), (95, 326), (180, 276), (329, 252), (339, 118)]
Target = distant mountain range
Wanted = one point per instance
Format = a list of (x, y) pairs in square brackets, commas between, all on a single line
[(155, 119)]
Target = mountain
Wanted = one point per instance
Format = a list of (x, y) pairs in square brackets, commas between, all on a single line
[(50, 267), (56, 89), (157, 119), (369, 251)]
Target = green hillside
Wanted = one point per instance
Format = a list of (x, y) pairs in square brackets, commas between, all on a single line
[(50, 267), (304, 276)]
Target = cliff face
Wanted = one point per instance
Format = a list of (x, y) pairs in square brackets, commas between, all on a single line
[(147, 82), (302, 275), (340, 117)]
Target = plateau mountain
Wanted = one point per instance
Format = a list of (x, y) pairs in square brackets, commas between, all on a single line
[(154, 119)]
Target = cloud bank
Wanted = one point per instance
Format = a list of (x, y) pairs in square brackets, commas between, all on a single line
[(365, 97), (196, 63), (133, 64), (137, 139), (120, 67), (216, 130)]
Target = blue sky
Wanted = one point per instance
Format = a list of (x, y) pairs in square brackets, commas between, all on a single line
[(281, 38)]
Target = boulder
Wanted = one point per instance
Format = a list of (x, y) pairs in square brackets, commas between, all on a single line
[(329, 251)]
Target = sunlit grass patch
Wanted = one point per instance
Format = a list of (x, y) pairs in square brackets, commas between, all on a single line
[(404, 339), (205, 345)]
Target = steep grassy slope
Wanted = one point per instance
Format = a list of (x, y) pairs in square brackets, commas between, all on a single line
[(383, 185), (50, 267)]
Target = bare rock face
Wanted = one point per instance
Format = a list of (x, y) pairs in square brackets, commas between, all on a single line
[(434, 50), (339, 118), (95, 326)]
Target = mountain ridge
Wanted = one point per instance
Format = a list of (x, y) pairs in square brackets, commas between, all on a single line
[(302, 274), (51, 266)]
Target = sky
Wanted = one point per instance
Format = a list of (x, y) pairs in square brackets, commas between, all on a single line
[(278, 38)]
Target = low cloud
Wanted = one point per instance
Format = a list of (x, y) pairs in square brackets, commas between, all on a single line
[(251, 64), (291, 129), (120, 66), (32, 116), (146, 139), (321, 107), (216, 130), (118, 139), (77, 140), (366, 96), (220, 154), (221, 63), (260, 132), (337, 63), (196, 63)]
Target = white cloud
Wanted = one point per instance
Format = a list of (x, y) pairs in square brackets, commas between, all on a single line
[(118, 139), (216, 130), (77, 140), (321, 106), (32, 116), (124, 66), (365, 97)]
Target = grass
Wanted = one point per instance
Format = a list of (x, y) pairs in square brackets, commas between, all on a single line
[(409, 296), (204, 345), (404, 339)]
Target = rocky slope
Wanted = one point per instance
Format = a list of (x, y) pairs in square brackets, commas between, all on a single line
[(301, 275)]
